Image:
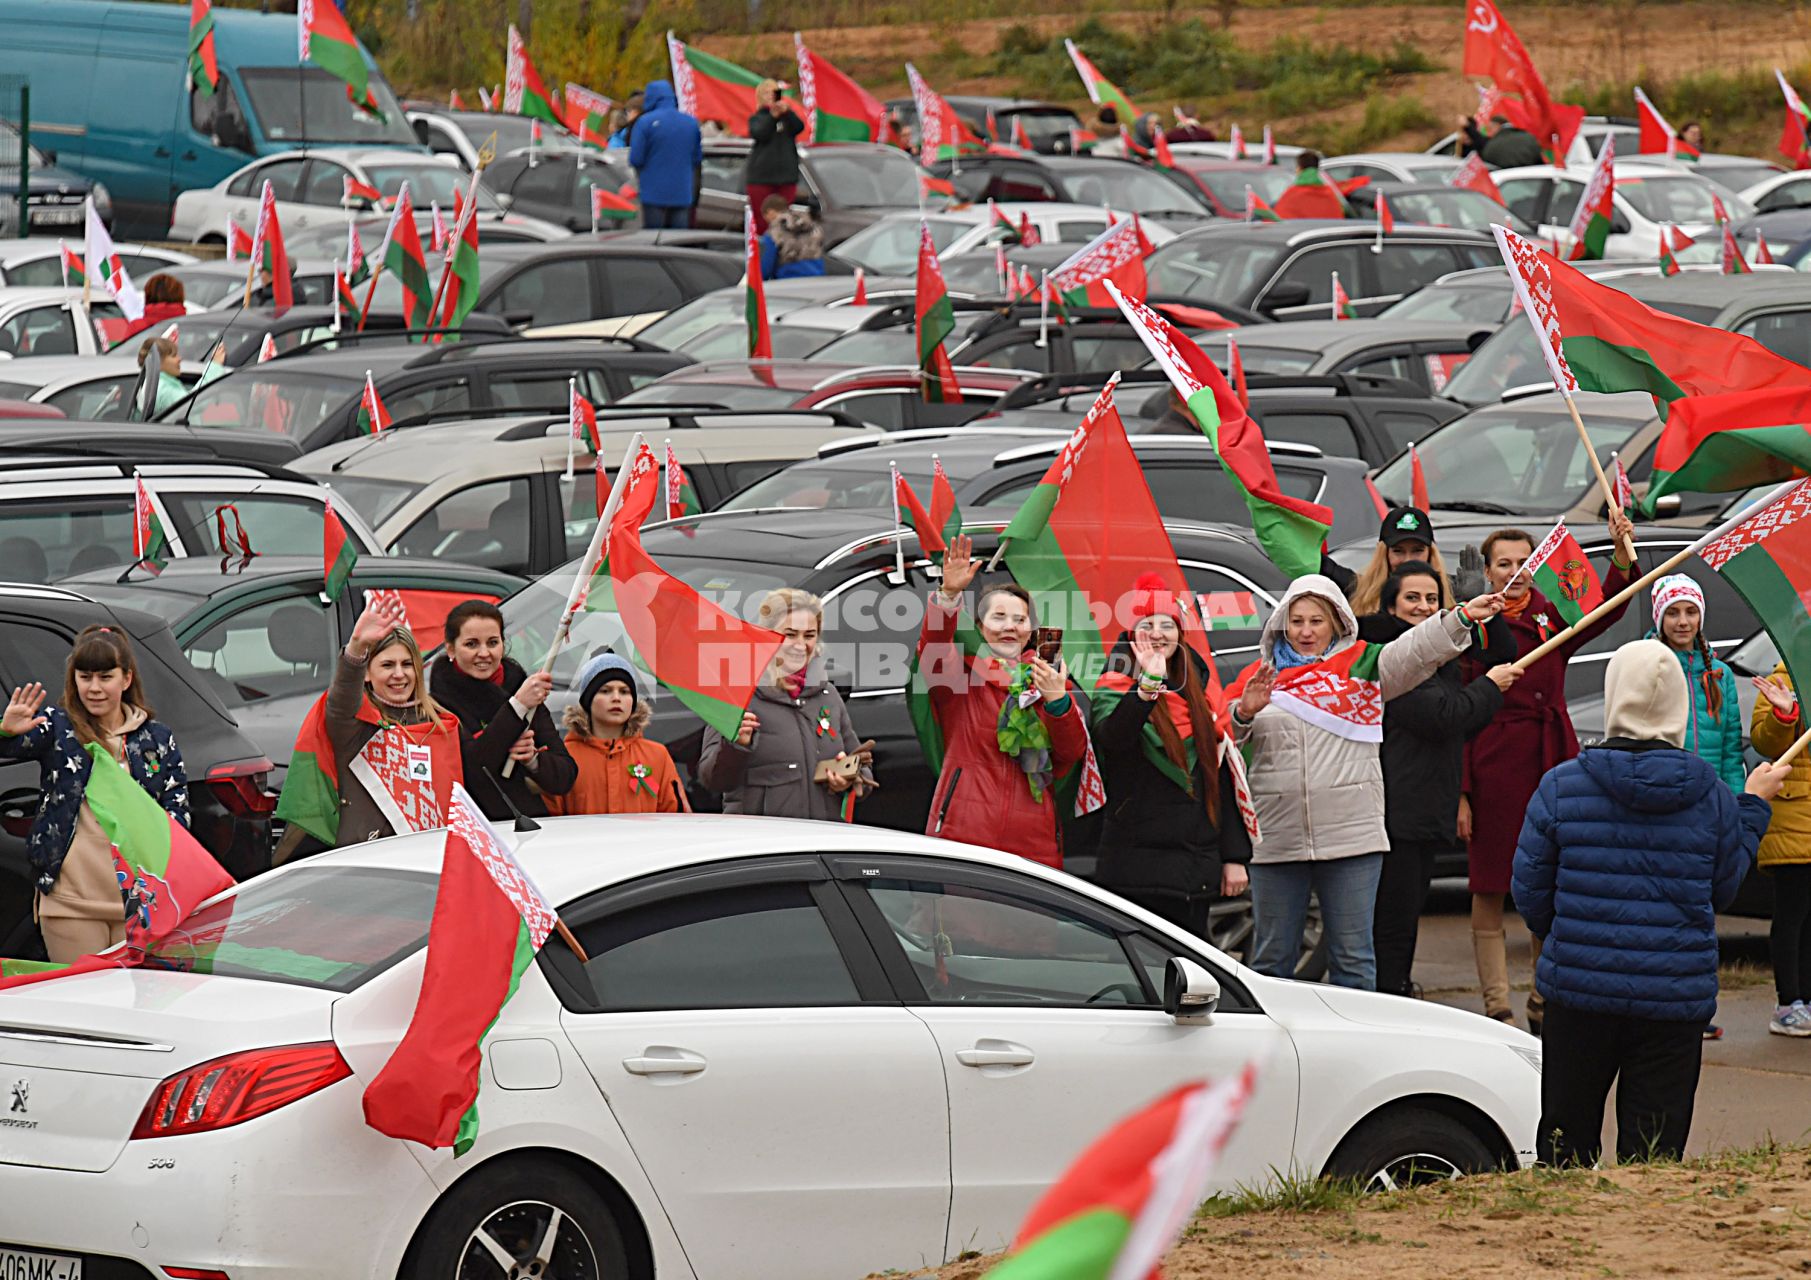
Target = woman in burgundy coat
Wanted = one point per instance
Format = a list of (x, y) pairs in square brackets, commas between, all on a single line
[(1506, 760), (1003, 696)]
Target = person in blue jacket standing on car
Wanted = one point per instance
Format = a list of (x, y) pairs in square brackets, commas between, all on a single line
[(1627, 853), (666, 150)]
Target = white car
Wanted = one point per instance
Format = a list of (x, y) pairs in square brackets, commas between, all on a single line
[(889, 247), (89, 388), (1391, 166), (798, 1050), (1648, 193), (52, 321), (310, 189), (1780, 191), (39, 261)]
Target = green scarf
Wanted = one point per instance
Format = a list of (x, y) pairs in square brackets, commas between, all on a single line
[(1023, 735), (1308, 178)]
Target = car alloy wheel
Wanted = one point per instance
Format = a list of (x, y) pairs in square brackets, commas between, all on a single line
[(528, 1240), (1229, 927), (1416, 1170)]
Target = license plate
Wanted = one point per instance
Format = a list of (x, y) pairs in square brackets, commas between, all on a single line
[(54, 217), (24, 1264)]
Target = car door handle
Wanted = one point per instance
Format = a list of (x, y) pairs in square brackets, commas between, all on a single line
[(659, 1060), (188, 155), (996, 1053), (161, 152)]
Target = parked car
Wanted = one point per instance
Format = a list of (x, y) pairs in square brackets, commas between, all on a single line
[(1101, 181), (1223, 181), (1285, 269), (229, 805), (596, 287), (243, 330), (888, 396), (94, 388), (63, 514), (313, 397), (54, 196), (1483, 296), (39, 261), (847, 184), (1419, 167), (1435, 205), (1647, 195), (707, 317), (262, 636), (554, 184), (495, 226), (460, 135), (1049, 125), (220, 284), (889, 246), (310, 189), (495, 491), (49, 321), (1424, 353)]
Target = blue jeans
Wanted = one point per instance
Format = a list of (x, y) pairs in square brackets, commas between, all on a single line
[(1347, 889), (664, 217)]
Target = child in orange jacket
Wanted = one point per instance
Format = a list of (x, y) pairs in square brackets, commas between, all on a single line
[(620, 771)]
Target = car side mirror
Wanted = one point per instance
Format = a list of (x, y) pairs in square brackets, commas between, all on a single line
[(1477, 338), (49, 154), (1190, 993), (1668, 504), (1290, 293), (1619, 223), (421, 132)]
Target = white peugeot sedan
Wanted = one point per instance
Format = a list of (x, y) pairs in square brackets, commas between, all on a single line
[(798, 1049)]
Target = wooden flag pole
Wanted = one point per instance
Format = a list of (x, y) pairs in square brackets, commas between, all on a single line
[(1797, 746), (1603, 479)]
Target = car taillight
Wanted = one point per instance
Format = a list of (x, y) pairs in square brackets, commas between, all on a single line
[(195, 1273), (238, 1087), (239, 786)]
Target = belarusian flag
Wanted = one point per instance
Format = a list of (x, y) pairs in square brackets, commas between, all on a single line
[(1117, 254), (489, 921), (936, 320), (1235, 143), (372, 416), (75, 272), (23, 973), (1020, 138), (1125, 1200), (453, 101), (838, 109), (1474, 175), (907, 505), (609, 206), (338, 553), (328, 42), (1493, 51), (712, 88), (1386, 221), (1597, 338), (345, 302), (1734, 264), (238, 241), (681, 497), (352, 189), (102, 265), (267, 248), (1562, 572), (1671, 241), (524, 92), (438, 223), (860, 297), (1290, 530), (1257, 209), (710, 659), (941, 133), (1620, 487), (930, 185), (587, 115), (461, 268), (267, 349), (1657, 136), (1728, 443), (1718, 214), (150, 544), (1342, 302), (946, 516), (1269, 155), (1235, 373), (1418, 496), (1795, 138), (1763, 256), (163, 871), (402, 257), (581, 419), (754, 295), (1596, 211), (1102, 92), (204, 66), (1766, 557)]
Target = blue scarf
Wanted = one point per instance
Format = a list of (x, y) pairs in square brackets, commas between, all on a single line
[(1285, 656)]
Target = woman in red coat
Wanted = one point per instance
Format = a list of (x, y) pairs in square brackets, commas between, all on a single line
[(1010, 727), (1507, 758)]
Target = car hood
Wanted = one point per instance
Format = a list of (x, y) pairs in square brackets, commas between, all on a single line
[(1372, 1009)]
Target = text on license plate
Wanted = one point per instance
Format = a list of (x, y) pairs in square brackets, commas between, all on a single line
[(58, 216), (23, 1264)]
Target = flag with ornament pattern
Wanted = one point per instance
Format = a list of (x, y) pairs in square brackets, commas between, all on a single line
[(327, 41)]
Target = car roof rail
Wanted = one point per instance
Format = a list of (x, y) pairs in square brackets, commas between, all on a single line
[(447, 351), (334, 341), (1341, 384), (966, 431), (1045, 448), (1523, 390), (1055, 386)]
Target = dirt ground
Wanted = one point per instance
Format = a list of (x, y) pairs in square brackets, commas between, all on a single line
[(1744, 1214)]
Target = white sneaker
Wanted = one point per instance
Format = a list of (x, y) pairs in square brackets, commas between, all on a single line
[(1791, 1020)]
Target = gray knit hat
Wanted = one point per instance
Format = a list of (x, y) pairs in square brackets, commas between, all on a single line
[(605, 666)]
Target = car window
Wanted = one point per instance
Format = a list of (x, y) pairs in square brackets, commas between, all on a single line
[(269, 398), (1024, 353), (1523, 196), (39, 331), (98, 400), (483, 524), (31, 653), (694, 952), (882, 408), (1315, 269), (541, 390), (246, 184), (549, 292), (1785, 333), (1183, 490), (1078, 230), (1343, 172), (1214, 268), (1020, 182), (723, 173), (1404, 268), (440, 141), (1566, 194), (284, 176), (276, 524), (1396, 364), (448, 397), (273, 649), (636, 285), (1102, 355), (208, 110), (1792, 194), (47, 539), (548, 185), (1403, 429), (1685, 198), (326, 183), (1330, 432), (975, 946)]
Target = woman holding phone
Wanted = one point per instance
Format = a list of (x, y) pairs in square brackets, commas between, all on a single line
[(1009, 727), (772, 168)]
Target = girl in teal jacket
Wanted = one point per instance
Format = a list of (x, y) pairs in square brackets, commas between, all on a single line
[(1714, 727)]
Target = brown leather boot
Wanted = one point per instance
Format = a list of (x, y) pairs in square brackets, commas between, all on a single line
[(1493, 973)]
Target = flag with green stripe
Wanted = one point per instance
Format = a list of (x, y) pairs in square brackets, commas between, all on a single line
[(1767, 559), (328, 42)]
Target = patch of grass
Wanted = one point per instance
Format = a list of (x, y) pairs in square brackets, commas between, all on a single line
[(1292, 1192), (1384, 118), (1740, 975), (1740, 110)]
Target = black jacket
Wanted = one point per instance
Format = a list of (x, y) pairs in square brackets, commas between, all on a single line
[(1507, 148), (1157, 837), (1424, 733), (773, 156), (487, 727)]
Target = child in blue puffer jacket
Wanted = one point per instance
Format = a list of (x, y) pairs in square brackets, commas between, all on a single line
[(1713, 726), (1625, 857)]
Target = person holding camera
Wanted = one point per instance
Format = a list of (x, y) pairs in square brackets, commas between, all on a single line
[(773, 153)]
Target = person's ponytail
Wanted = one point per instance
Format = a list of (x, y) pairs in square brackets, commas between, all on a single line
[(1713, 687)]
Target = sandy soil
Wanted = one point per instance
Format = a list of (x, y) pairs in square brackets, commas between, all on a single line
[(1742, 1215)]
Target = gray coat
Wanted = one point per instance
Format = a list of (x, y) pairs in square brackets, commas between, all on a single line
[(773, 775)]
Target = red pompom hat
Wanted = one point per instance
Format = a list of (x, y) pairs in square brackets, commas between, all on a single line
[(1152, 596)]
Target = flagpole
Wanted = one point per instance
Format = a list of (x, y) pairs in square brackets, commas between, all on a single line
[(1603, 479), (1672, 562), (594, 554), (898, 525), (1044, 310), (572, 390)]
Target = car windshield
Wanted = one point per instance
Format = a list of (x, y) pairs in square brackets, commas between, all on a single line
[(1039, 125), (1681, 199), (1510, 357), (1738, 177), (712, 311), (428, 183), (1475, 302), (1130, 187), (315, 926), (294, 104), (1471, 210), (372, 499), (205, 288), (1228, 185), (513, 132), (890, 246), (288, 403), (872, 346), (858, 480), (1521, 459), (1212, 268), (728, 395), (730, 342), (1261, 359), (865, 179)]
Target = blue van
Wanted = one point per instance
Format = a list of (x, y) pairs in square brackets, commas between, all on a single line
[(109, 96)]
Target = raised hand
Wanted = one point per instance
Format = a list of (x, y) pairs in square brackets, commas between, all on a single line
[(1782, 699), (959, 567), (535, 689), (1257, 693), (1150, 658), (22, 711), (1051, 681), (383, 614), (1622, 533), (745, 736)]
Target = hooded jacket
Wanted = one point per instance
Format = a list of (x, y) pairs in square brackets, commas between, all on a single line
[(1788, 838), (792, 247), (775, 774), (1717, 738), (1320, 796), (1628, 852), (666, 149)]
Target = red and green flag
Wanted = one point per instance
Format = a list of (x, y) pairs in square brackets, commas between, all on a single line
[(754, 295), (1562, 572), (581, 419), (1235, 373), (610, 206), (1117, 254), (1291, 530), (681, 499), (1763, 256), (860, 297), (459, 280), (1342, 301), (524, 92), (1657, 136), (1732, 442), (837, 108), (1765, 555), (906, 506), (936, 320), (1418, 495), (352, 188), (1671, 241), (946, 515), (372, 416), (346, 313), (1474, 175), (358, 267), (1257, 209), (75, 271), (150, 542), (1102, 92), (404, 258), (712, 88), (1734, 264), (23, 973), (271, 256), (204, 64), (711, 660), (587, 115), (328, 42), (1596, 212), (941, 133), (338, 553), (1795, 137), (489, 921)]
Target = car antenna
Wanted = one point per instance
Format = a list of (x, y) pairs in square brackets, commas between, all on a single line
[(524, 823), (376, 436)]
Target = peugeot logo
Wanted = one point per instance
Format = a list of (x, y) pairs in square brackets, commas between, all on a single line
[(21, 1091)]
